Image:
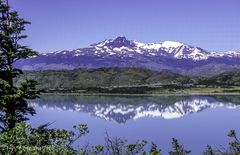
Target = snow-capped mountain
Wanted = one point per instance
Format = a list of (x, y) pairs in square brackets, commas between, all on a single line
[(122, 112), (120, 52), (128, 48)]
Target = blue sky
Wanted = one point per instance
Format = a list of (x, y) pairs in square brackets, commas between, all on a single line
[(69, 24)]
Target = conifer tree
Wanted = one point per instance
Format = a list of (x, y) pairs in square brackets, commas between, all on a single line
[(13, 98)]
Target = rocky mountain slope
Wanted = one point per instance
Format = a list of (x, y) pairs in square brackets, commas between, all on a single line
[(120, 52)]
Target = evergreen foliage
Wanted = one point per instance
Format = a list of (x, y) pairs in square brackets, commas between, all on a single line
[(13, 99)]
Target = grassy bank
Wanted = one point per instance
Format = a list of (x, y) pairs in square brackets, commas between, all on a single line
[(151, 92)]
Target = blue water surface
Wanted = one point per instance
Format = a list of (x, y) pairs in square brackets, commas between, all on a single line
[(194, 120)]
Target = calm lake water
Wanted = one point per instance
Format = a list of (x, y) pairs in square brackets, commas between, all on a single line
[(194, 120)]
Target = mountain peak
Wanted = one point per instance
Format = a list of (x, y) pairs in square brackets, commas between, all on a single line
[(118, 42), (120, 39)]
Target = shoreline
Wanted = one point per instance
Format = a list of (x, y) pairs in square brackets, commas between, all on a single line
[(139, 95)]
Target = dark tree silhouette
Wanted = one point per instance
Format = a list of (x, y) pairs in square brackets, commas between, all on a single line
[(13, 97)]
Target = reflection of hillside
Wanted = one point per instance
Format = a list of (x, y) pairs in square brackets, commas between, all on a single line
[(111, 99), (232, 99), (122, 109)]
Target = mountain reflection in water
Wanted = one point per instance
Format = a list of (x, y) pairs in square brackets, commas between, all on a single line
[(124, 108)]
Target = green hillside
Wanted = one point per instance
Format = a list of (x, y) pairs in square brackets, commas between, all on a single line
[(131, 81), (82, 79), (224, 79)]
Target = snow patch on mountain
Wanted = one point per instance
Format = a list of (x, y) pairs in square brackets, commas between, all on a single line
[(171, 44)]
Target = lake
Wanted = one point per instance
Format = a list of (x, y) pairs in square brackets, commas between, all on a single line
[(194, 120)]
